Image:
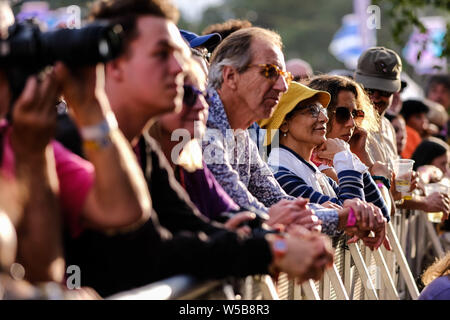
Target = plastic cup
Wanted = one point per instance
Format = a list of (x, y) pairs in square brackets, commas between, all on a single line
[(403, 173), (430, 188)]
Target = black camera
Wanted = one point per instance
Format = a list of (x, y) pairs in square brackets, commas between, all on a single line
[(27, 50)]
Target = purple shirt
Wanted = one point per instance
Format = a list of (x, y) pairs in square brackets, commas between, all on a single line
[(205, 192), (438, 289)]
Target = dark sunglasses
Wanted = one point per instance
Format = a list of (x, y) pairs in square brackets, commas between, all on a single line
[(191, 95), (343, 114), (382, 93)]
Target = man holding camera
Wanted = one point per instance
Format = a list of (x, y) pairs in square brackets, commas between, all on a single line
[(113, 197), (148, 79)]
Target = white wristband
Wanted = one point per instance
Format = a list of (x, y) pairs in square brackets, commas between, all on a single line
[(101, 130)]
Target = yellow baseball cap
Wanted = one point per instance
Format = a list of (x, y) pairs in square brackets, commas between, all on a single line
[(296, 93)]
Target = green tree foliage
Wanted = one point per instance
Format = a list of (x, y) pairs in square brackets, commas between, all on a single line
[(405, 14), (306, 27)]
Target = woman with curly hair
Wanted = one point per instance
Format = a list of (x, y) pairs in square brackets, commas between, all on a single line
[(351, 118)]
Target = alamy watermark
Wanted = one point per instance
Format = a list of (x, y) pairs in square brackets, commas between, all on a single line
[(73, 277), (374, 19), (229, 147)]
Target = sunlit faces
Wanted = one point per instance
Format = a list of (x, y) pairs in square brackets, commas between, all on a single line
[(400, 133), (151, 71), (439, 93), (306, 126), (442, 162), (258, 93), (344, 130), (382, 100)]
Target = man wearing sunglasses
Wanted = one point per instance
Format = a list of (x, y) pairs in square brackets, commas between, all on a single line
[(247, 78)]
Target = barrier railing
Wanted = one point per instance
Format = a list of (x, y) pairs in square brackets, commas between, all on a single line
[(357, 274), (177, 287)]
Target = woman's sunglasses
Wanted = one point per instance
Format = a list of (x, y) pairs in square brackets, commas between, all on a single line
[(343, 114), (191, 95)]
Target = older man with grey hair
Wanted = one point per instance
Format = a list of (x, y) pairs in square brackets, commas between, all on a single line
[(247, 78)]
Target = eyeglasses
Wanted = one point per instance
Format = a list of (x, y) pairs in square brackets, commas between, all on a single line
[(191, 95), (382, 93), (343, 114), (314, 110), (272, 72)]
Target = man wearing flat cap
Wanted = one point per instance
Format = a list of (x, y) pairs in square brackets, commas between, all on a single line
[(379, 70)]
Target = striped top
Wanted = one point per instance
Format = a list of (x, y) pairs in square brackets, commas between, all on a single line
[(299, 178)]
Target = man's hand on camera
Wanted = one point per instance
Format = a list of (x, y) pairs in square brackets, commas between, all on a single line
[(34, 115), (84, 91)]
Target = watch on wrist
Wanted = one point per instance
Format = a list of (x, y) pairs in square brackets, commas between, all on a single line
[(279, 247)]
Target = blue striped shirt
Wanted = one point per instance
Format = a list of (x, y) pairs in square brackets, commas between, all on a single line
[(352, 184)]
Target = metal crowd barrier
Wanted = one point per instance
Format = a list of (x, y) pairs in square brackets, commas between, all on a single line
[(357, 274)]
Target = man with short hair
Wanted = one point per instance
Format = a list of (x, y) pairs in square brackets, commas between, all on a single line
[(415, 114)]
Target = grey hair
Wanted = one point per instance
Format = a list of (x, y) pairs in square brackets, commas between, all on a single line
[(215, 75), (235, 51)]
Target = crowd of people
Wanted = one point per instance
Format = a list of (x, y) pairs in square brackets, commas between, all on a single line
[(206, 155)]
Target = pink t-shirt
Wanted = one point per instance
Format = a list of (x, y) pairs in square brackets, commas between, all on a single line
[(76, 177)]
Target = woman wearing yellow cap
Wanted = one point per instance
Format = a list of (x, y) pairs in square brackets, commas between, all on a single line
[(296, 129)]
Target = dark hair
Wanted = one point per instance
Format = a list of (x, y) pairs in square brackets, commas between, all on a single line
[(390, 117), (428, 150), (226, 28), (412, 107), (126, 12), (333, 85), (443, 79)]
